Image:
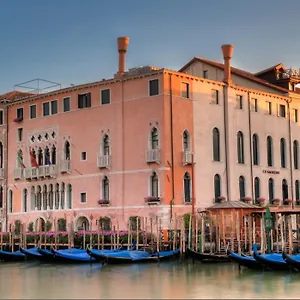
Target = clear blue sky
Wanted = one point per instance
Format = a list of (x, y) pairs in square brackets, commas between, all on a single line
[(74, 41)]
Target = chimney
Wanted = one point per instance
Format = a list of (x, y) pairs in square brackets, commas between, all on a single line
[(227, 54), (122, 48)]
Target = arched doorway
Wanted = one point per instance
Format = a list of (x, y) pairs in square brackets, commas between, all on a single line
[(82, 223), (40, 225)]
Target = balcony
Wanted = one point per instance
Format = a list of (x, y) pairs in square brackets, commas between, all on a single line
[(65, 166), (50, 170), (18, 173), (31, 173), (153, 156), (103, 161), (187, 157), (41, 171)]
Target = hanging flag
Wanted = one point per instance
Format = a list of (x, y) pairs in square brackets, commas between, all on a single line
[(20, 160), (47, 158), (33, 160)]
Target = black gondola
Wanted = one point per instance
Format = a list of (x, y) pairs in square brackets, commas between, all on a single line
[(292, 261), (207, 257)]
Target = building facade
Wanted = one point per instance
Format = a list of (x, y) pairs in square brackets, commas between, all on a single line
[(150, 142)]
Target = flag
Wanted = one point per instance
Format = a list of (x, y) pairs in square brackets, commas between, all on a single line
[(47, 158), (32, 160), (20, 160)]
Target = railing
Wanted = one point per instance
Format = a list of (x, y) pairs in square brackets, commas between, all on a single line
[(41, 171), (103, 161), (31, 173), (153, 156), (187, 157), (50, 170), (65, 166), (289, 73), (18, 173)]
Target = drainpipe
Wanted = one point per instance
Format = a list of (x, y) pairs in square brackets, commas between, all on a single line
[(123, 150), (290, 150), (5, 188), (172, 145), (250, 145)]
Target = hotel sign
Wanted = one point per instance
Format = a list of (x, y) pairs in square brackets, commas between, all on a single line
[(270, 172)]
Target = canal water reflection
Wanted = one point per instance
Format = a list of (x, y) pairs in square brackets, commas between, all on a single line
[(168, 280)]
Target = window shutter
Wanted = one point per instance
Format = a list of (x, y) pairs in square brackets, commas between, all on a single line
[(79, 101), (278, 109), (88, 100)]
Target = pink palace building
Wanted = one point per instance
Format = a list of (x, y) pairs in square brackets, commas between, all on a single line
[(150, 142)]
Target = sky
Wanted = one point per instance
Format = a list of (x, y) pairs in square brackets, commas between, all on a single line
[(74, 41)]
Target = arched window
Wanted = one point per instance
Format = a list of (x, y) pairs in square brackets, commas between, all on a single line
[(33, 199), (10, 201), (216, 144), (67, 151), (154, 185), (62, 197), (44, 197), (217, 186), (20, 163), (283, 152), (154, 139), (297, 191), (47, 156), (186, 141), (39, 198), (70, 204), (1, 196), (285, 189), (255, 149), (187, 187), (51, 196), (56, 201), (105, 188), (53, 155), (106, 145), (271, 189), (256, 188), (240, 148), (296, 154), (1, 155), (270, 151), (25, 194), (40, 157), (242, 187)]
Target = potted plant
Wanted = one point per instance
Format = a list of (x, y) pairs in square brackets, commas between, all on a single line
[(151, 199), (298, 201), (287, 201), (260, 201), (103, 202), (246, 199), (221, 199), (276, 201), (18, 119)]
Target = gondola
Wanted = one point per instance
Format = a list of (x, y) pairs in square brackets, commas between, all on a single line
[(72, 257), (246, 261), (12, 256), (270, 261), (49, 254), (292, 261), (207, 257), (35, 254), (132, 256)]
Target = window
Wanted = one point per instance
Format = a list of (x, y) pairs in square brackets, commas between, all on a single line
[(297, 189), (83, 155), (185, 90), (32, 111), (66, 104), (83, 197), (154, 138), (1, 117), (296, 154), (242, 187), (1, 155), (67, 151), (240, 148), (69, 196), (153, 87), (205, 74), (271, 189), (215, 97), (216, 144), (269, 107), (20, 134), (186, 141), (187, 187), (46, 109), (255, 150), (254, 105), (217, 186), (53, 107), (295, 115), (20, 114), (269, 151), (10, 201), (239, 102), (1, 196), (285, 190), (105, 96), (84, 100), (283, 153), (154, 185), (106, 145), (256, 188), (25, 200), (105, 188), (281, 112)]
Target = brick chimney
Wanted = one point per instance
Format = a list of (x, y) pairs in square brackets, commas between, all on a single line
[(227, 54), (122, 48)]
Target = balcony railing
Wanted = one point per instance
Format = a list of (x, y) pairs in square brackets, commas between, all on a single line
[(41, 171), (153, 156), (50, 170), (103, 161), (65, 166), (187, 157), (289, 73), (18, 173), (31, 173)]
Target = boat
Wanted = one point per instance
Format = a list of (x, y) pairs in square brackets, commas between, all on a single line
[(49, 254), (207, 257), (35, 254), (244, 260), (69, 256), (131, 256), (12, 256), (292, 261), (273, 261)]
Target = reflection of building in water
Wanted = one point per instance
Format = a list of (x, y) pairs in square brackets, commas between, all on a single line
[(126, 146)]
